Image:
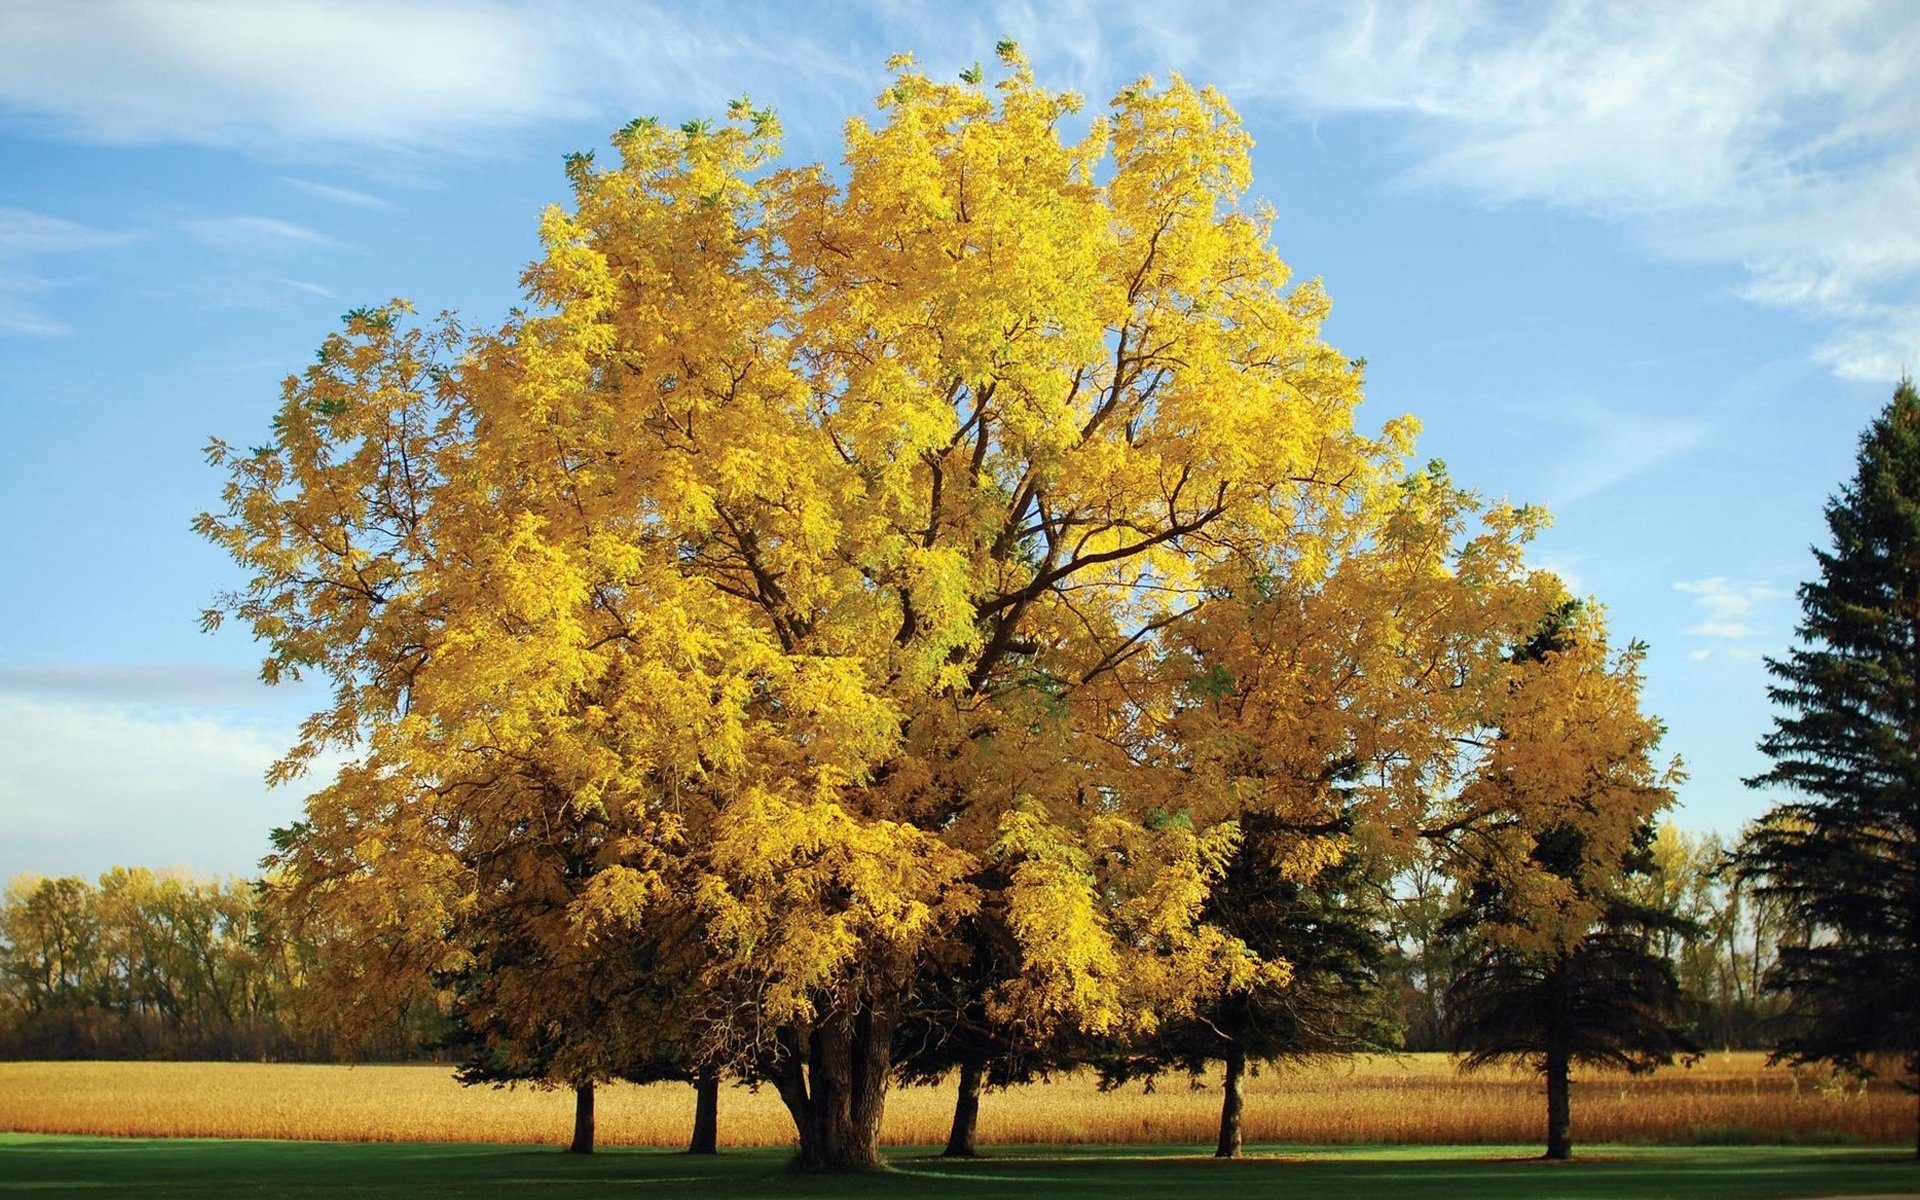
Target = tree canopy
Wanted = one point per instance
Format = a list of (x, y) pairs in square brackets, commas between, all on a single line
[(829, 572)]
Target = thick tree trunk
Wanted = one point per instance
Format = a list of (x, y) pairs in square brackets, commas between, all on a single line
[(706, 1113), (1232, 1103), (837, 1102), (1559, 1113), (582, 1120), (966, 1111)]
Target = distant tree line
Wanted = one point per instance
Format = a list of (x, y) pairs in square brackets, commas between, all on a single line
[(166, 965), (157, 964)]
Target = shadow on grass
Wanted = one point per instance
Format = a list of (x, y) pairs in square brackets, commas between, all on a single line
[(181, 1168)]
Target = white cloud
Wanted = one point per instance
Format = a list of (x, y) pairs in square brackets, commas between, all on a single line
[(24, 234), (28, 235), (256, 235), (311, 289), (302, 71), (18, 316), (436, 76), (339, 195), (1729, 609), (87, 785), (1774, 136), (195, 685)]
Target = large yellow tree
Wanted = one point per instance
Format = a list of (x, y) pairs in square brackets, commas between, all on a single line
[(796, 577)]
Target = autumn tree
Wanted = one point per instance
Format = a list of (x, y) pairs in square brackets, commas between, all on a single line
[(1321, 709), (812, 545), (1843, 856), (1561, 970), (51, 929)]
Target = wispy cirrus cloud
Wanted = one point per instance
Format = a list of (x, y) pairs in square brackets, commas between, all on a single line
[(1605, 446), (291, 73), (25, 238), (433, 76), (256, 235), (308, 288), (336, 194), (1775, 137)]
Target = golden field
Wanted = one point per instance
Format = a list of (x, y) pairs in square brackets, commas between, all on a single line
[(1412, 1098)]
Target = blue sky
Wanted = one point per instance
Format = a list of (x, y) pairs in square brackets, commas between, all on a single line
[(1654, 265)]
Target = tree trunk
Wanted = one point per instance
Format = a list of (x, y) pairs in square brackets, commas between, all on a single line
[(1559, 1114), (706, 1113), (966, 1111), (837, 1101), (582, 1120), (1232, 1103)]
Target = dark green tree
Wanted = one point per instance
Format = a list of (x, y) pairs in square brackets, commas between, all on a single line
[(951, 1029), (1331, 930), (526, 1010), (1607, 1001), (1844, 855), (1561, 965)]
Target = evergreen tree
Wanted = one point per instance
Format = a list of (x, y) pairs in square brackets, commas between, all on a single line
[(1842, 856), (1329, 929), (954, 1030), (1561, 967), (1608, 1000)]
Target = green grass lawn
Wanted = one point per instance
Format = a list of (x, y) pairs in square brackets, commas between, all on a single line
[(35, 1165)]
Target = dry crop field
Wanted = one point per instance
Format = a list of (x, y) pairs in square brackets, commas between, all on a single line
[(1406, 1099)]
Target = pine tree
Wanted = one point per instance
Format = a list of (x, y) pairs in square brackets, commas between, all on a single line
[(1607, 1000), (1329, 929), (1561, 967), (954, 1032), (1844, 854)]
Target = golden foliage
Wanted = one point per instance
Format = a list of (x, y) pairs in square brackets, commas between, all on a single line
[(820, 562)]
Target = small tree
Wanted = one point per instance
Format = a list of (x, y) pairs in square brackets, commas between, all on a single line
[(1562, 969), (954, 1030), (1328, 929), (1608, 1002), (1844, 857)]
